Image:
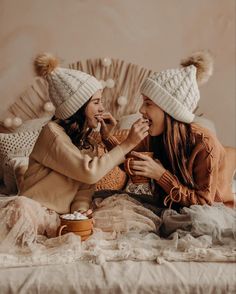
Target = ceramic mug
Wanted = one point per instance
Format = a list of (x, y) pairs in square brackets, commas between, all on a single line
[(83, 227), (134, 178)]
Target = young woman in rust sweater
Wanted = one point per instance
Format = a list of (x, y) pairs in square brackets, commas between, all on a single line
[(189, 165)]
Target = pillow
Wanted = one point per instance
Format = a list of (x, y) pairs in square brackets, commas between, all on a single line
[(33, 124), (14, 170), (16, 144), (19, 143)]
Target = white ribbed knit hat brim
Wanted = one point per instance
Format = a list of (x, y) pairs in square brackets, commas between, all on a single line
[(78, 99), (165, 101)]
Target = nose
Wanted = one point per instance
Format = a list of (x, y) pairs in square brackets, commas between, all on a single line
[(101, 108), (142, 110)]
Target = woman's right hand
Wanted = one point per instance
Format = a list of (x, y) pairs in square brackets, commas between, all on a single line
[(138, 132)]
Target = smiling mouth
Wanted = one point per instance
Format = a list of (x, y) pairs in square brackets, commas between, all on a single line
[(98, 117)]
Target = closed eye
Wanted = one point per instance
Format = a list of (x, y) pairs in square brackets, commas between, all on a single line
[(96, 101)]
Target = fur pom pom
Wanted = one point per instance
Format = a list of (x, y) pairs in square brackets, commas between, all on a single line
[(203, 61), (45, 63)]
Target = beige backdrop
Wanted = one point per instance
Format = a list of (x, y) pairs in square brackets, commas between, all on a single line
[(153, 33)]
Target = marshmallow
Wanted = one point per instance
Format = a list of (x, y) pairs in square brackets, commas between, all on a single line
[(74, 216)]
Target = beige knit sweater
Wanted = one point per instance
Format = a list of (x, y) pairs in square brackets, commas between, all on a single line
[(60, 176)]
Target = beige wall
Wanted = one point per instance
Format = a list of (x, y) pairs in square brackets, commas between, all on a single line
[(154, 34)]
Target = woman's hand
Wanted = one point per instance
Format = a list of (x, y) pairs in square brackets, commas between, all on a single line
[(87, 213), (138, 132), (146, 167), (108, 123)]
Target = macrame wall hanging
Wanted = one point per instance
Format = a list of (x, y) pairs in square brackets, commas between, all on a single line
[(121, 82)]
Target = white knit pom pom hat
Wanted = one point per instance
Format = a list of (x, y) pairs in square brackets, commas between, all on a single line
[(68, 89), (176, 90)]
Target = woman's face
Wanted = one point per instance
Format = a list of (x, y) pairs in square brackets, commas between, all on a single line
[(154, 114), (94, 109)]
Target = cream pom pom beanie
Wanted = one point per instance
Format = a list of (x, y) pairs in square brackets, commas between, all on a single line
[(68, 89), (176, 90)]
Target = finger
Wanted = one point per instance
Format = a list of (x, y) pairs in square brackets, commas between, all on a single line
[(89, 211), (107, 115), (137, 165), (144, 127), (145, 134), (140, 155), (140, 173), (140, 121), (137, 168), (109, 118), (103, 124)]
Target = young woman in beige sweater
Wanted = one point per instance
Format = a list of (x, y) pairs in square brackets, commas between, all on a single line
[(63, 165)]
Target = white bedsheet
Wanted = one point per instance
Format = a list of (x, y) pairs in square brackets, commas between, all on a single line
[(121, 277)]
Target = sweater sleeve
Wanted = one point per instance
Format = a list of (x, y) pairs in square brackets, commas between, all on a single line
[(65, 158), (204, 167), (111, 142), (83, 198)]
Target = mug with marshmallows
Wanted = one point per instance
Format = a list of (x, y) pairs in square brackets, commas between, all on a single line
[(76, 223), (134, 178)]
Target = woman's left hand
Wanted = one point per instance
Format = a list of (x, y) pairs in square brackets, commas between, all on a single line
[(108, 123), (146, 167)]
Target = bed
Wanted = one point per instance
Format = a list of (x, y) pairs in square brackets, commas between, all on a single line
[(134, 262)]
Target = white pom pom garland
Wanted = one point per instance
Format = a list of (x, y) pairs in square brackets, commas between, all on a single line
[(106, 61), (110, 83), (7, 122), (16, 122), (103, 83), (49, 107), (122, 101)]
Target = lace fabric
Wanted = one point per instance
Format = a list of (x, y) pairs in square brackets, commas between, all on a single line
[(124, 229), (23, 222)]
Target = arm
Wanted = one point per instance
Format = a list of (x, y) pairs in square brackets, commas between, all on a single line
[(111, 142), (55, 150), (83, 198), (205, 175), (65, 158)]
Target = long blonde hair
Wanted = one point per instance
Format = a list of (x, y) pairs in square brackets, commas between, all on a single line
[(179, 141)]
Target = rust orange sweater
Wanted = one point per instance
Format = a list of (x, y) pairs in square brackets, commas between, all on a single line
[(207, 165)]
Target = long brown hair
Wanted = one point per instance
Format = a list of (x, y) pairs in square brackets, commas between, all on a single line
[(76, 128), (178, 141)]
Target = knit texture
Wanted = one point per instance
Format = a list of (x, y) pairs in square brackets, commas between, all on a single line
[(73, 172), (70, 89), (175, 91)]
